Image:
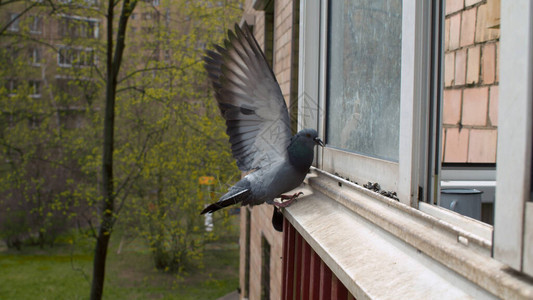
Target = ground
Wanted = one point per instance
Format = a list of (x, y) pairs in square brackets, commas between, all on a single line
[(64, 272)]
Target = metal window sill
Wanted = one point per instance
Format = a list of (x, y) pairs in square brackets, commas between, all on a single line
[(382, 249)]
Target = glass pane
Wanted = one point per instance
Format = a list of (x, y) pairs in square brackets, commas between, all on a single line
[(363, 86)]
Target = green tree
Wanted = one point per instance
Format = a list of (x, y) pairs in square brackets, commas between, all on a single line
[(170, 129), (159, 132), (150, 105)]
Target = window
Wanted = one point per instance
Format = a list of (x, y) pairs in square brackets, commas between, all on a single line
[(361, 100), (147, 16), (36, 25), (87, 2), (64, 56), (152, 2), (148, 29), (478, 254), (246, 287), (363, 77), (15, 22), (35, 56), (91, 2), (68, 56), (11, 86), (76, 27), (35, 88), (265, 269), (72, 90)]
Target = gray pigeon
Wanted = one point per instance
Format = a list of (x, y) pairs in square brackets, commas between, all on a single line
[(258, 125)]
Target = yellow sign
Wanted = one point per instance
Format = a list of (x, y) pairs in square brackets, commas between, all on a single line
[(206, 180)]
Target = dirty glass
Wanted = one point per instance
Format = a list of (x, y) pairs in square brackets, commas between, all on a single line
[(363, 84)]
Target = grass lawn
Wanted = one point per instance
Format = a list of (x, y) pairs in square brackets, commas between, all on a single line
[(64, 272)]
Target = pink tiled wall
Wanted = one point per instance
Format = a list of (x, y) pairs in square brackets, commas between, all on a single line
[(470, 104)]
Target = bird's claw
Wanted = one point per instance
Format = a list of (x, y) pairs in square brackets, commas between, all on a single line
[(289, 198)]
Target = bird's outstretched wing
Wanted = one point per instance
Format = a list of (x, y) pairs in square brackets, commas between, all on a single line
[(250, 100)]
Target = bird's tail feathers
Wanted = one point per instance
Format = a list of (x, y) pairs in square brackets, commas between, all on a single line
[(227, 200)]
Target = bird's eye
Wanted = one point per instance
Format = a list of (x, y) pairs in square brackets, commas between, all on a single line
[(308, 135)]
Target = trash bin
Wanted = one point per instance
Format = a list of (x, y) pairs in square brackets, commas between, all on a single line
[(467, 202)]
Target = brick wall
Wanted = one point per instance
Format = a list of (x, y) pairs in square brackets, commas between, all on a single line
[(261, 216), (470, 99)]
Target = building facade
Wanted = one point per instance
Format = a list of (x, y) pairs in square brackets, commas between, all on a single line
[(414, 100)]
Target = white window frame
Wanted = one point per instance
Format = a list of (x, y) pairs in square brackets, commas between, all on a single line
[(513, 231), (35, 58), (392, 176), (36, 25), (430, 231), (77, 53), (15, 26), (82, 23), (35, 88), (12, 86), (513, 213)]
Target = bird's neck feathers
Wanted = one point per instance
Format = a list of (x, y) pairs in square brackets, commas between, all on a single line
[(300, 155)]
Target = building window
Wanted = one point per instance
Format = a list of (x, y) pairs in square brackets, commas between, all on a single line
[(15, 22), (147, 16), (36, 25), (265, 269), (68, 56), (269, 33), (35, 56), (11, 86), (35, 88), (246, 287), (363, 85), (416, 170), (64, 57), (355, 102), (75, 27), (91, 2)]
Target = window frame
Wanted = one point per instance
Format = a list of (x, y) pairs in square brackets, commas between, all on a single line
[(78, 27), (36, 25), (76, 57), (35, 56), (417, 172), (392, 176), (14, 19), (35, 88), (513, 212)]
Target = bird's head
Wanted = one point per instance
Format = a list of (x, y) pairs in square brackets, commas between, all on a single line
[(309, 137)]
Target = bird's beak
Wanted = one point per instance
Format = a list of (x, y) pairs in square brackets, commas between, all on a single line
[(319, 141)]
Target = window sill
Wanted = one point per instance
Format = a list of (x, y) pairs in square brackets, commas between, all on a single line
[(359, 234)]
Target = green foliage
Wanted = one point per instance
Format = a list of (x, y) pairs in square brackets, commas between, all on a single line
[(170, 134), (168, 130)]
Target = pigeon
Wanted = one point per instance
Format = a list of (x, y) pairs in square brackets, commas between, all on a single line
[(258, 126)]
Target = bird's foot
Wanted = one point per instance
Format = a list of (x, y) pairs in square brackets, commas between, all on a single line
[(289, 198)]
